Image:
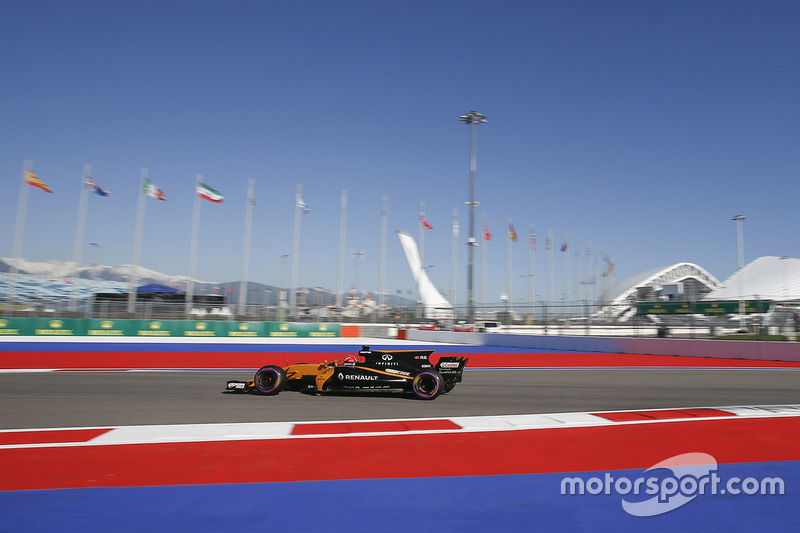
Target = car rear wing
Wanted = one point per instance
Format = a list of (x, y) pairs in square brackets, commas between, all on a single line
[(452, 366)]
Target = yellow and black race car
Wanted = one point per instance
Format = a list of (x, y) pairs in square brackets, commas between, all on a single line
[(408, 371)]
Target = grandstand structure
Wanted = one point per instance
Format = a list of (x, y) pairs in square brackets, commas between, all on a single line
[(768, 278), (679, 282)]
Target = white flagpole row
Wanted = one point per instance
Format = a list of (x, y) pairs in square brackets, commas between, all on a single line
[(340, 264), (193, 246), (586, 270), (577, 271), (79, 232), (453, 257), (421, 248), (248, 222), (509, 283), (549, 266), (137, 242), (484, 249), (565, 277), (532, 266), (382, 267), (19, 228), (422, 235), (295, 253)]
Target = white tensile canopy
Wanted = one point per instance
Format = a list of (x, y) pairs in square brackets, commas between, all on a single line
[(434, 304)]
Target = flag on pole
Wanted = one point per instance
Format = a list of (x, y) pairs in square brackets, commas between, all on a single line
[(533, 240), (511, 233), (149, 189), (95, 188), (301, 204), (564, 247), (207, 193), (455, 225), (486, 235), (424, 220), (33, 179)]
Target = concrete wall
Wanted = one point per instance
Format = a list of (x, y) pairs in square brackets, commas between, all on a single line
[(760, 350)]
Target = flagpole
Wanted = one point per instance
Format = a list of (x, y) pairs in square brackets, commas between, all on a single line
[(19, 228), (593, 261), (549, 266), (340, 264), (82, 206), (587, 280), (484, 250), (508, 264), (611, 274), (193, 246), (382, 268), (577, 271), (137, 243), (295, 252), (79, 232), (22, 207), (532, 267), (453, 258), (587, 266), (248, 222), (421, 235), (565, 281), (421, 248)]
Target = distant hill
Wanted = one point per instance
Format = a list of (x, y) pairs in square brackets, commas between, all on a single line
[(64, 279), (69, 269)]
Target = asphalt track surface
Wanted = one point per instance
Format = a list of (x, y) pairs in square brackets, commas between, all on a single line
[(92, 399)]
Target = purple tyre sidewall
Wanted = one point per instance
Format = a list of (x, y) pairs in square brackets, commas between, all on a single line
[(276, 378), (424, 395)]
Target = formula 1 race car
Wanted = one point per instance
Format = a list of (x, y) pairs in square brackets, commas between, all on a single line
[(408, 371)]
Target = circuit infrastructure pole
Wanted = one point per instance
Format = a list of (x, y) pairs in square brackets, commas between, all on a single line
[(740, 238), (473, 118)]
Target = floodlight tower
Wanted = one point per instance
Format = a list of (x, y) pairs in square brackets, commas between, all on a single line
[(473, 118), (740, 238)]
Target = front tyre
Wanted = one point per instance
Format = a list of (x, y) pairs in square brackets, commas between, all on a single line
[(427, 385), (270, 379)]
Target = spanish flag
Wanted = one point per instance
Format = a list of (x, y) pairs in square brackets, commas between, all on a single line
[(511, 233), (33, 179)]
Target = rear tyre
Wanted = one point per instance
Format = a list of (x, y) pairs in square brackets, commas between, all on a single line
[(427, 385), (270, 380)]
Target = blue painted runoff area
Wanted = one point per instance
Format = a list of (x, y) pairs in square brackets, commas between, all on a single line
[(458, 504)]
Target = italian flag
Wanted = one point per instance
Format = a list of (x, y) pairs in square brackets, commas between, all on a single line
[(204, 191), (149, 189)]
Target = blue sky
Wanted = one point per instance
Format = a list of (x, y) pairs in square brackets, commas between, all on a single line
[(639, 127)]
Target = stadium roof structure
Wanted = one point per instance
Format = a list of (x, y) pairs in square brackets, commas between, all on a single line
[(649, 285), (766, 278)]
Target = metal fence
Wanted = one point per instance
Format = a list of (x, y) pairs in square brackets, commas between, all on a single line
[(576, 319)]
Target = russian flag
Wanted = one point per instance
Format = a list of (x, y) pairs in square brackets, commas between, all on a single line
[(92, 186)]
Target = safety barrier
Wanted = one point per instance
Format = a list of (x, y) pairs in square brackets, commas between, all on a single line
[(759, 350), (44, 327)]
